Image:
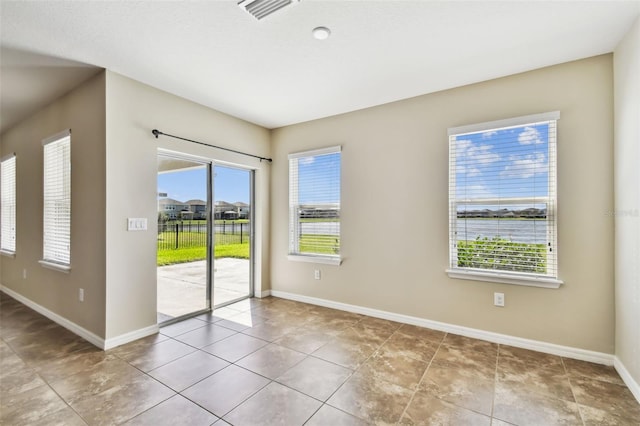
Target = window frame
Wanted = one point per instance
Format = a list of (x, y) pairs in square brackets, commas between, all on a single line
[(501, 276), (9, 202), (57, 259), (294, 205)]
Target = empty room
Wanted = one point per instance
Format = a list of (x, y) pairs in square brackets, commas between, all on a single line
[(320, 212)]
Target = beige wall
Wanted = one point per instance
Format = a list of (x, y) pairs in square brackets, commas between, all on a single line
[(83, 111), (395, 215), (133, 110), (627, 203)]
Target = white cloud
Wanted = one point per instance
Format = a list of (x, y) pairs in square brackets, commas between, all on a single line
[(470, 158), (525, 166), (529, 136), (306, 160), (487, 135)]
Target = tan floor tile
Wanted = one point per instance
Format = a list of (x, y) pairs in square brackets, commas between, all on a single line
[(123, 402), (371, 399), (226, 389), (153, 356), (270, 330), (497, 422), (422, 333), (522, 359), (74, 363), (459, 387), (29, 407), (549, 382), (328, 415), (388, 366), (271, 361), (235, 347), (470, 344), (606, 396), (383, 326), (363, 334), (274, 405), (20, 380), (477, 363), (590, 370), (407, 346), (315, 377), (133, 347), (182, 327), (304, 340), (174, 411), (100, 377), (204, 336), (188, 370), (345, 353), (427, 410), (596, 417), (64, 417), (241, 321), (533, 409)]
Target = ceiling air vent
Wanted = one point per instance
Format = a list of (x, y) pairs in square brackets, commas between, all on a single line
[(262, 8)]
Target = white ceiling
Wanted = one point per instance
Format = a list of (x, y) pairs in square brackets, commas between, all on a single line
[(273, 72)]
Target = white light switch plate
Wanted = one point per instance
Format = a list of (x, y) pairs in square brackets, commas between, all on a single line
[(137, 224)]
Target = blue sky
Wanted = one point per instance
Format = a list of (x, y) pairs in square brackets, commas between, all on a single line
[(231, 184), (319, 179), (510, 162)]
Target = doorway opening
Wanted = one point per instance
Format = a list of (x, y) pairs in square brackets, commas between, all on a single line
[(204, 249)]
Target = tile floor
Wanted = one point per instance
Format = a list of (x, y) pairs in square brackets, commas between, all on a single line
[(277, 362)]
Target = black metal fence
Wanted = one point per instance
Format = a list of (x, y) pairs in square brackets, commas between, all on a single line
[(183, 234)]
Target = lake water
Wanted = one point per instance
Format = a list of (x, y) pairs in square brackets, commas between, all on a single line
[(516, 230)]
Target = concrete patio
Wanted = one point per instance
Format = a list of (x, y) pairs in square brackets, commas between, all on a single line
[(182, 287)]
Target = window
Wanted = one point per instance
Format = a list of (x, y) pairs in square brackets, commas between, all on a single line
[(8, 211), (314, 206), (57, 201), (502, 201)]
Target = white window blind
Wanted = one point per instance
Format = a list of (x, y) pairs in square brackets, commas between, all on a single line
[(314, 204), (8, 211), (57, 199), (502, 201)]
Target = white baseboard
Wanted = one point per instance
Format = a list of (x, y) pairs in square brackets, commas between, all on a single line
[(263, 294), (60, 320), (535, 345), (633, 386), (81, 331), (130, 337)]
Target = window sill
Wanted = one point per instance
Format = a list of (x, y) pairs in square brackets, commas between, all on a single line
[(55, 266), (496, 277), (7, 253), (327, 260)]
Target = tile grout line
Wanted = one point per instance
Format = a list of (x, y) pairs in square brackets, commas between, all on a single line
[(413, 395), (566, 371)]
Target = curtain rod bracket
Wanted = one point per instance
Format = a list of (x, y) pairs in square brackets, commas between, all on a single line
[(157, 133)]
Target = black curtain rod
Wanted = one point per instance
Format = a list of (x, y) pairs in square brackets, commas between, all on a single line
[(157, 133)]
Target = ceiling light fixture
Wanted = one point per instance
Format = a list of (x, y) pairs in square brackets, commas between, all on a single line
[(321, 33)]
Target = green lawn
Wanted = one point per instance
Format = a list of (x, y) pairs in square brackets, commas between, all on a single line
[(192, 254), (319, 244), (501, 254)]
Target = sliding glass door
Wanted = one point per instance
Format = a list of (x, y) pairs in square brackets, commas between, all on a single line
[(233, 239), (184, 237), (204, 248)]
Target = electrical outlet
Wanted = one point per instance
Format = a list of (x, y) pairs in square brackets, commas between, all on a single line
[(81, 294), (498, 299), (316, 274), (24, 274)]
